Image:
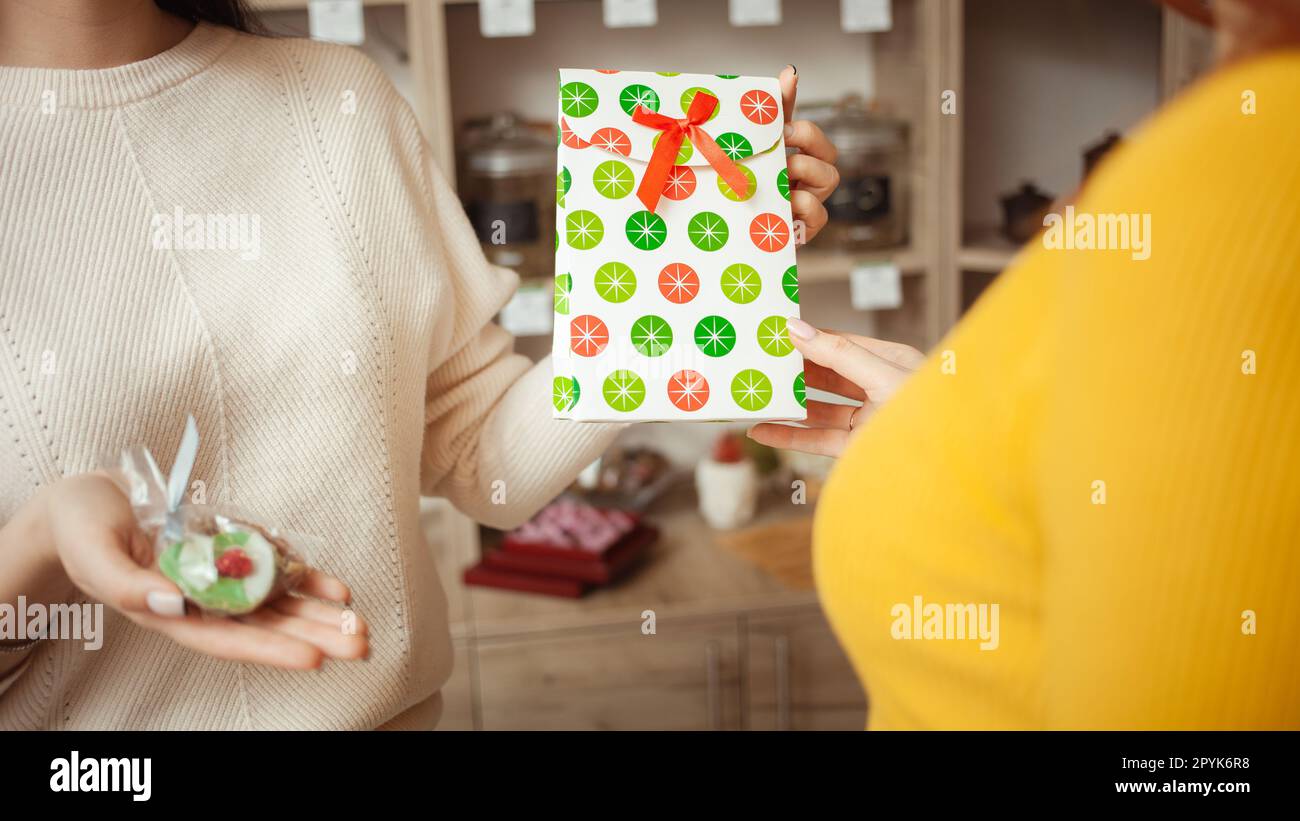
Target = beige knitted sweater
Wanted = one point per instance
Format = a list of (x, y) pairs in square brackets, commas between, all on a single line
[(336, 347)]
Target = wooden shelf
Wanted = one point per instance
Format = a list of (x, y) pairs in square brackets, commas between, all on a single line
[(1011, 60), (817, 265), (986, 251)]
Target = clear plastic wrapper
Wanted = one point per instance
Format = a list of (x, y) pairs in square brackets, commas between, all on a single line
[(225, 561)]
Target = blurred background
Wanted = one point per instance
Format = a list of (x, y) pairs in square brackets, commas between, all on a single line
[(671, 586)]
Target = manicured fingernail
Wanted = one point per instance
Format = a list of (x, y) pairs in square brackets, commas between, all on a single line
[(795, 70), (165, 604), (789, 130), (800, 329)]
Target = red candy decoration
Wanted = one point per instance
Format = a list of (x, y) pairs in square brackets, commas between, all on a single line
[(234, 564)]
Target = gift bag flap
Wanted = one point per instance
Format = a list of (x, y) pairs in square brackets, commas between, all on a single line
[(595, 109)]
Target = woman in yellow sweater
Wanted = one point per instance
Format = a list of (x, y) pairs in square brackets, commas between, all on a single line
[(1082, 511)]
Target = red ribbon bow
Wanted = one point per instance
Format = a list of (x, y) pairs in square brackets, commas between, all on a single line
[(665, 154)]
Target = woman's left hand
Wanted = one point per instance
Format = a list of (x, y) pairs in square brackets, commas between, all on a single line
[(812, 171), (861, 369)]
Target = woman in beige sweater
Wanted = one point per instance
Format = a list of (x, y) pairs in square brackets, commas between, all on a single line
[(341, 362)]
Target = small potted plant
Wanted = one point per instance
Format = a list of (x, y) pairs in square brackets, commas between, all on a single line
[(727, 483)]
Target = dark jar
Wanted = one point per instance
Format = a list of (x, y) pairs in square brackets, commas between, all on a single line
[(870, 207), (508, 188)]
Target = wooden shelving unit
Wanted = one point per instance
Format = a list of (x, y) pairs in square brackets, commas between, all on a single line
[(1033, 100), (441, 39), (816, 265), (935, 47)]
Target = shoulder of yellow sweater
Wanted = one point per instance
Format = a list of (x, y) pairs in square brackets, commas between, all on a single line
[(1242, 87), (1236, 114), (1207, 180), (1218, 159)]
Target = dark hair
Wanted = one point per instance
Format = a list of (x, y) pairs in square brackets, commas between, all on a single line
[(233, 14)]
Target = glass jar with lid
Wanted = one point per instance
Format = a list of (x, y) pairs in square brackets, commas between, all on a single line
[(870, 207), (507, 174)]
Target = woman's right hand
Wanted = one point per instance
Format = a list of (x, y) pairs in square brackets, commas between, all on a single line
[(859, 368), (101, 550)]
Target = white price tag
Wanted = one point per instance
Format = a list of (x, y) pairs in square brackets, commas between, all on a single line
[(529, 312), (628, 13), (755, 12), (505, 18), (865, 15), (338, 21), (876, 287)]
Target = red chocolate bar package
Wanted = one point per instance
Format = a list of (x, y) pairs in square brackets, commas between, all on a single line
[(566, 529), (611, 564), (483, 576), (564, 550)]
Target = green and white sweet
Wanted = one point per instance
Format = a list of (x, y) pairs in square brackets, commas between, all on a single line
[(232, 571)]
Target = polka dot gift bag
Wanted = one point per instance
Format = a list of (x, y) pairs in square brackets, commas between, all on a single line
[(674, 260)]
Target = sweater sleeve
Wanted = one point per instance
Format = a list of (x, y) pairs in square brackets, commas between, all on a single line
[(491, 445)]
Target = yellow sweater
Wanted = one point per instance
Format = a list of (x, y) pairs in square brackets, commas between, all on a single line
[(1107, 450)]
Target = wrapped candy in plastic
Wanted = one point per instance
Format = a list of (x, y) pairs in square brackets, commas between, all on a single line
[(223, 561), (228, 565)]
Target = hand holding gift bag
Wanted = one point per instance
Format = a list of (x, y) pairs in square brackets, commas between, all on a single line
[(675, 264)]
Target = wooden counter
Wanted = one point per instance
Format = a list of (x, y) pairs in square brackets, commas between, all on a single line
[(731, 647)]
